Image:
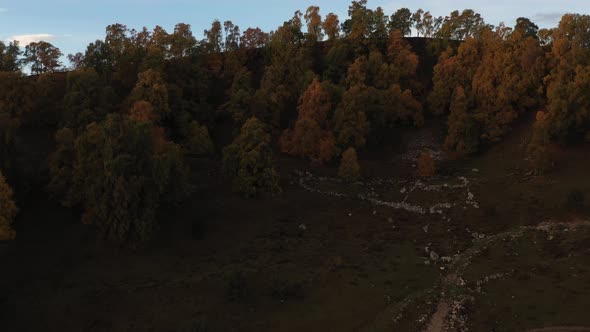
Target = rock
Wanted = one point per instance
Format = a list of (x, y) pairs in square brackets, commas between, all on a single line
[(434, 256), (389, 220), (475, 170), (374, 212), (446, 259), (349, 214), (303, 227), (425, 229), (426, 262)]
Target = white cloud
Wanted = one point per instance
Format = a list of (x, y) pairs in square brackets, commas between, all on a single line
[(27, 39), (549, 17)]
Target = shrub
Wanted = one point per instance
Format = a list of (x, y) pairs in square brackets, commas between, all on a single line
[(349, 167), (426, 167)]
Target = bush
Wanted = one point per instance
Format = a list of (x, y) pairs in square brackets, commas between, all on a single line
[(426, 167), (349, 166)]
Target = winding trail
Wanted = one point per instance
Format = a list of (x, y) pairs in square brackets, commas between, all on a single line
[(440, 318)]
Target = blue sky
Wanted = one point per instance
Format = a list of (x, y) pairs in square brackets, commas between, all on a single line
[(72, 24)]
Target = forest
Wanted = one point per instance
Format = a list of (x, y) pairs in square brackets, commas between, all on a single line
[(146, 127)]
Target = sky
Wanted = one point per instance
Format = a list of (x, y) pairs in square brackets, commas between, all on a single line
[(72, 24)]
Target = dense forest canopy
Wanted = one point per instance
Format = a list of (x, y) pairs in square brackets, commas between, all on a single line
[(135, 106)]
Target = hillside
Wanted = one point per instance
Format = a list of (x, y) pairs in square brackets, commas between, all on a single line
[(325, 176)]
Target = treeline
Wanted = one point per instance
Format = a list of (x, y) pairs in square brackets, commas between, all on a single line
[(133, 106)]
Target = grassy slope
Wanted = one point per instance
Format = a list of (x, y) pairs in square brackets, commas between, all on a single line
[(245, 265)]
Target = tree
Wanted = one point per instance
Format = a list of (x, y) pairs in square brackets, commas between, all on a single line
[(331, 26), (403, 60), (214, 38), (9, 56), (462, 137), (401, 20), (76, 60), (43, 57), (349, 167), (360, 23), (87, 99), (460, 26), (8, 211), (313, 19), (418, 21), (240, 97), (379, 23), (121, 171), (16, 105), (232, 36), (568, 101), (350, 121), (248, 162), (199, 142), (254, 38), (152, 88), (426, 166), (311, 138), (182, 40), (526, 27)]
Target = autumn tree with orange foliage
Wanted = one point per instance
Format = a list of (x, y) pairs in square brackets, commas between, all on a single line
[(568, 100), (500, 75), (426, 165), (311, 138), (313, 19), (331, 26)]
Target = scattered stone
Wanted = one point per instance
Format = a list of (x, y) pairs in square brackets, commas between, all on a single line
[(475, 170), (434, 256), (426, 262), (425, 228), (303, 227), (446, 259), (349, 214), (389, 220), (374, 212)]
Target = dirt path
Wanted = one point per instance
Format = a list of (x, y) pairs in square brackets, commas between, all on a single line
[(437, 321)]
